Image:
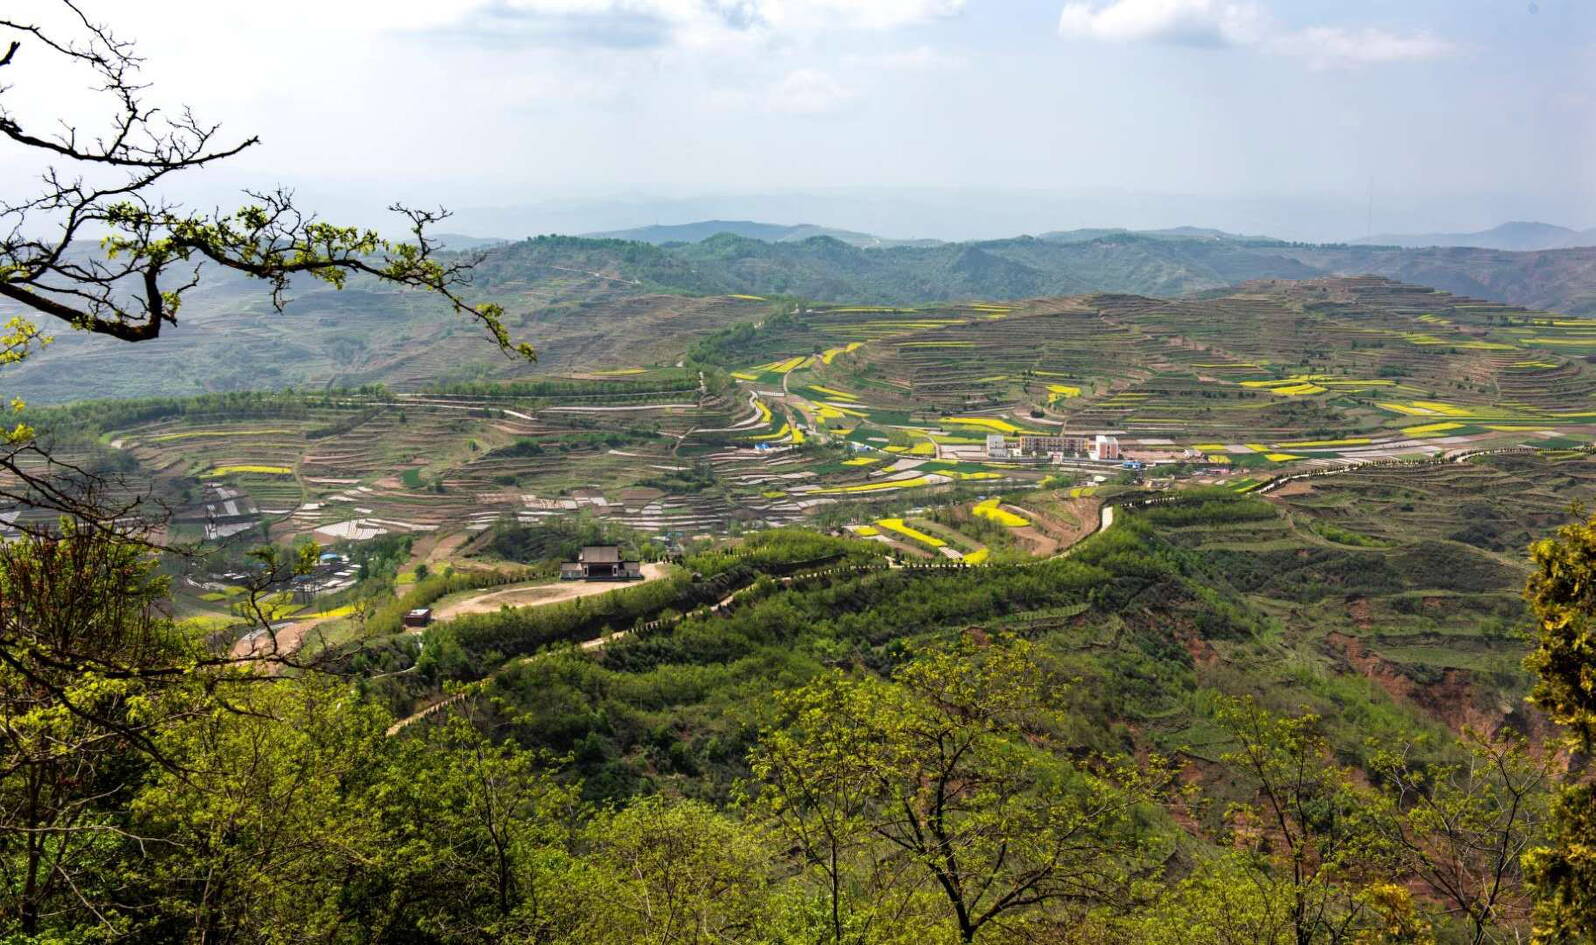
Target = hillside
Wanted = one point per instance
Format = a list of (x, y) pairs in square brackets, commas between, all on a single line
[(765, 232), (597, 303), (1174, 233), (844, 413), (230, 340), (1164, 265)]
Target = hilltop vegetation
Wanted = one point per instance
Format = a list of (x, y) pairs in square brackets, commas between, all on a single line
[(768, 232)]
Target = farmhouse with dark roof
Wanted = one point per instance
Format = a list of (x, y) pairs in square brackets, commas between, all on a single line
[(601, 563)]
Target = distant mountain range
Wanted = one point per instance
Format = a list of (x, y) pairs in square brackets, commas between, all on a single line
[(749, 229), (459, 242), (1514, 237), (591, 302), (828, 269), (1172, 233), (1509, 236), (659, 235)]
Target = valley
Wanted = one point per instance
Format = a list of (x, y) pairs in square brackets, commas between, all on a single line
[(840, 414), (908, 494), (1365, 460), (1307, 499)]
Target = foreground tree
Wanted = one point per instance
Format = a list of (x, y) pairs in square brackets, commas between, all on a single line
[(948, 776), (101, 181), (1462, 828), (90, 674), (1227, 900), (1562, 596), (124, 734), (671, 872), (1314, 839), (259, 822)]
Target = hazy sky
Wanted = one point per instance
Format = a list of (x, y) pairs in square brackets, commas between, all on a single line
[(1276, 114)]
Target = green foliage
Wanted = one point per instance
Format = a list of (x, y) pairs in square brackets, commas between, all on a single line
[(556, 539), (1562, 595), (1315, 836), (92, 673), (389, 617), (1222, 902), (471, 645), (1207, 507), (567, 390), (676, 871), (1463, 826), (944, 776), (743, 342), (98, 416), (1346, 536), (380, 558), (1562, 873), (257, 798), (910, 784), (270, 240)]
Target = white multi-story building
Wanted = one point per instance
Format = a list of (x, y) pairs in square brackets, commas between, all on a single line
[(1046, 445), (1105, 447), (996, 446)]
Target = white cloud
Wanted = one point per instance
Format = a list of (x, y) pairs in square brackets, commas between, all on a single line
[(1185, 22), (703, 22), (917, 59), (565, 23), (1242, 23), (850, 14), (1330, 46), (809, 92)]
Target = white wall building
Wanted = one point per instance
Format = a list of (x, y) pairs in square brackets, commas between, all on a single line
[(1105, 447), (996, 446)]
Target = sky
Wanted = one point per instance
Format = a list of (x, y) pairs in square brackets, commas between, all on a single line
[(1308, 119)]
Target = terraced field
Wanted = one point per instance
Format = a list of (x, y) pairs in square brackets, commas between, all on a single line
[(233, 341), (968, 425), (1408, 576), (1267, 376)]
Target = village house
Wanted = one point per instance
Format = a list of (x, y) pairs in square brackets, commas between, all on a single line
[(601, 563)]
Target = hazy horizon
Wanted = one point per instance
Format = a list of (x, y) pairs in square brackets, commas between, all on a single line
[(960, 215)]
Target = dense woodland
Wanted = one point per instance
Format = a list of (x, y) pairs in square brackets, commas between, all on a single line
[(1004, 754)]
